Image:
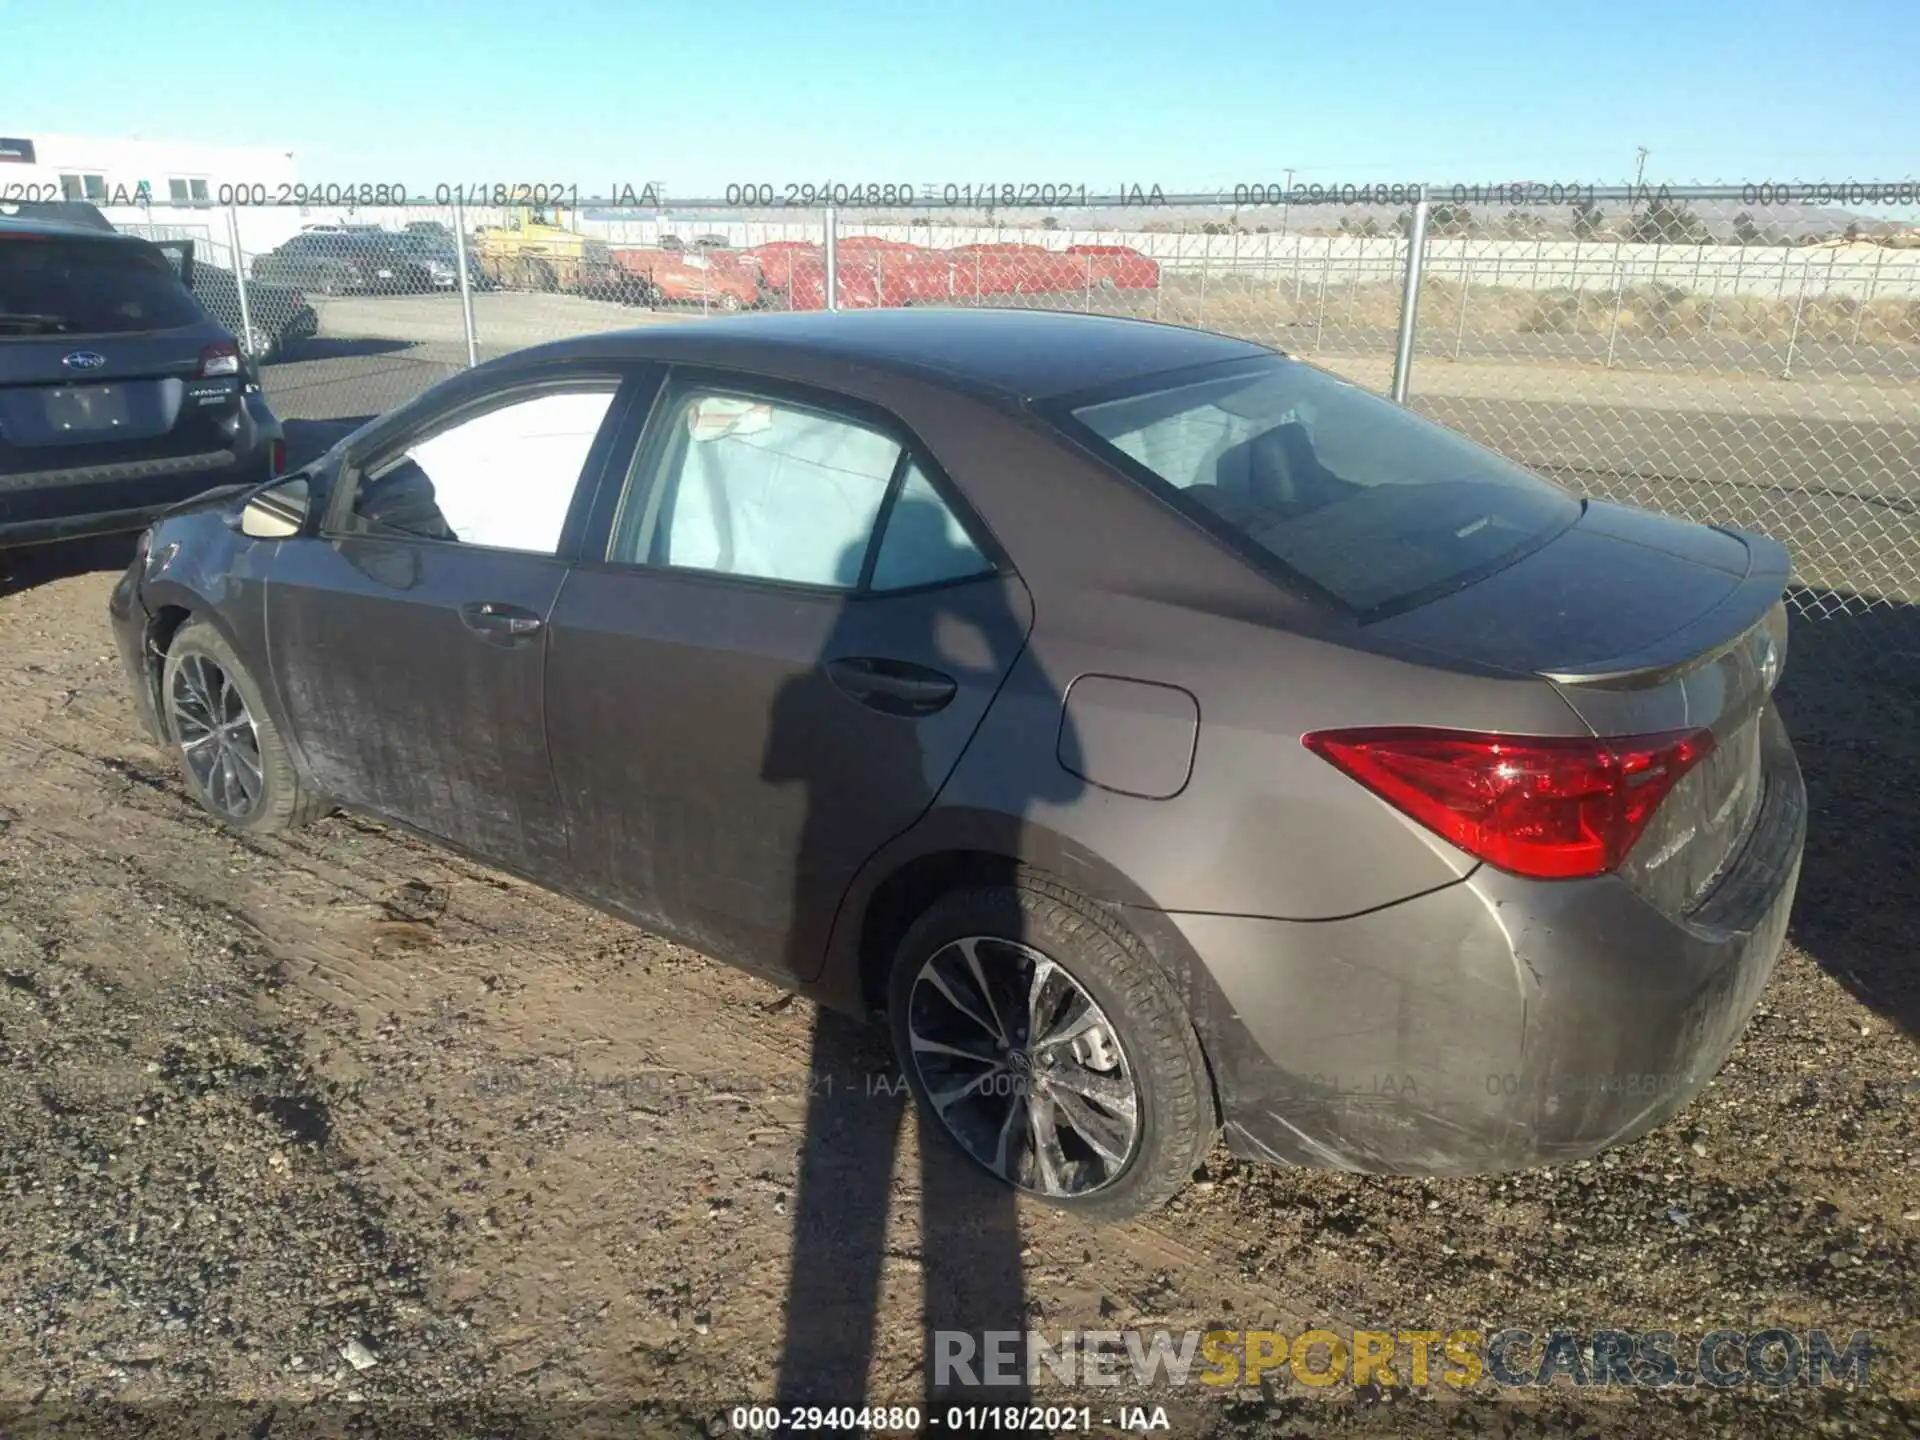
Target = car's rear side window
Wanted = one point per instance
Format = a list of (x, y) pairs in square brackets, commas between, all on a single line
[(61, 285), (764, 489), (1359, 497)]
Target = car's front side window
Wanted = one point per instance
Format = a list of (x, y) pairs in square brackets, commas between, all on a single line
[(503, 478)]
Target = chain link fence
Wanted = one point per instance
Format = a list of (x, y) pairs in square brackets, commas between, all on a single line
[(1743, 355)]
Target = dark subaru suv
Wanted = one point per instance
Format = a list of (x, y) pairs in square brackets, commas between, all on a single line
[(119, 394)]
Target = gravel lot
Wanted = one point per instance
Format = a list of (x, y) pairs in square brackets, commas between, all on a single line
[(342, 1134), (342, 1126)]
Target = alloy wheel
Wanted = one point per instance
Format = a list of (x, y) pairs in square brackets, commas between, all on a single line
[(1023, 1067), (216, 734)]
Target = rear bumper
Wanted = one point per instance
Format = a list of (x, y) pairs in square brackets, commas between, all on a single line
[(72, 512), (1497, 1023), (106, 500)]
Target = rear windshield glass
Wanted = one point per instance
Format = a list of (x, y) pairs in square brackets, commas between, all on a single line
[(1360, 497), (55, 285)]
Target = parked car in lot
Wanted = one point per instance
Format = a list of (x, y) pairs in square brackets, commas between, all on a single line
[(349, 262), (437, 256), (119, 394), (278, 316), (876, 273), (696, 245), (1158, 731), (315, 261), (677, 277)]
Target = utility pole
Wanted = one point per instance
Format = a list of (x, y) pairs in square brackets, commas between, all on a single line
[(1286, 201)]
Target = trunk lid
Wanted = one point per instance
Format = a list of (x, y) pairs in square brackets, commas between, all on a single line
[(1643, 624)]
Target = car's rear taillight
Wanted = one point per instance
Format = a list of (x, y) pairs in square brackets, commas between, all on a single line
[(277, 455), (1540, 806), (220, 359)]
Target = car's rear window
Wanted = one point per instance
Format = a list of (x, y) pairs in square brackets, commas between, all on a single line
[(1358, 496), (61, 285)]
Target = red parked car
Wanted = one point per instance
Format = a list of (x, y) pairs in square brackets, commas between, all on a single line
[(874, 273), (682, 277)]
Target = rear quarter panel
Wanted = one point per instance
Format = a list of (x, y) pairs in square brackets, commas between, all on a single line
[(1263, 826)]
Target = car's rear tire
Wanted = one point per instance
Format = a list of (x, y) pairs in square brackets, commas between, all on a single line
[(232, 756), (1122, 1035)]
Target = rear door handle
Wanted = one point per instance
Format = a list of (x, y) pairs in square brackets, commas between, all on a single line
[(500, 622), (893, 687)]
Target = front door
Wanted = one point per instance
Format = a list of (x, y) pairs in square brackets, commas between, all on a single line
[(408, 640), (792, 638)]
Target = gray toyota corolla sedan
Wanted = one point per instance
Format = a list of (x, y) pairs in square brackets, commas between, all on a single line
[(1159, 732)]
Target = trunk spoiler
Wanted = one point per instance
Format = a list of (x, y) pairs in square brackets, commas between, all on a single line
[(1703, 640)]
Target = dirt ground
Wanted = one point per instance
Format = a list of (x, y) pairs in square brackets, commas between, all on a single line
[(342, 1131)]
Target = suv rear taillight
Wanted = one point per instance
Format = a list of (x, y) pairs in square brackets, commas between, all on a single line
[(220, 359), (1540, 806), (276, 455)]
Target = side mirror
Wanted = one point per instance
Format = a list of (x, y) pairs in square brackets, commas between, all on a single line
[(277, 512)]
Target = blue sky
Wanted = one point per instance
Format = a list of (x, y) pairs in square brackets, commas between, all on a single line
[(1098, 92)]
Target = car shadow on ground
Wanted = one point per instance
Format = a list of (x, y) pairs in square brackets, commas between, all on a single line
[(329, 347), (26, 566), (1851, 697)]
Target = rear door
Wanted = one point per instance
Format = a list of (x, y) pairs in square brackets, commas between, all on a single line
[(790, 635), (116, 388), (408, 639)]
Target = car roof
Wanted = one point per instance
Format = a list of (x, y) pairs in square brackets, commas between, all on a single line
[(68, 229), (1027, 354)]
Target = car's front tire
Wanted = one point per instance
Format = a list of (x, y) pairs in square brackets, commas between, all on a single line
[(1049, 1050), (232, 755)]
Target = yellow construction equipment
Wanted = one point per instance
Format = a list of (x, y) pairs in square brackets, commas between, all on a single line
[(538, 249)]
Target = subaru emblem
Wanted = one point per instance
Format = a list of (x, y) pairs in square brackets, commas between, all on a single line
[(84, 360)]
